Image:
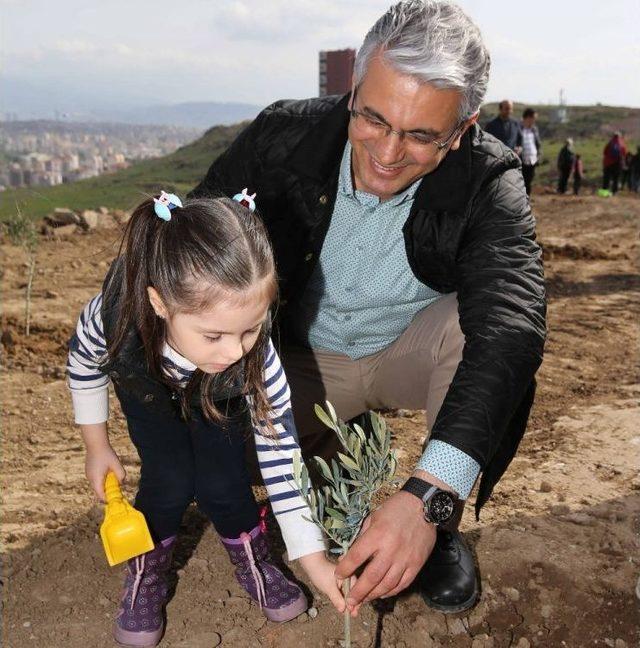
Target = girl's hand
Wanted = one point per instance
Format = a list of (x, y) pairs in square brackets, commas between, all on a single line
[(321, 571), (98, 462)]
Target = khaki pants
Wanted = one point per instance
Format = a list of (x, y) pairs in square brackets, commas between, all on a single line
[(412, 373)]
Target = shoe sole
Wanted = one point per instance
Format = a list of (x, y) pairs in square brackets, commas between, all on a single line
[(289, 612), (137, 639), (453, 609)]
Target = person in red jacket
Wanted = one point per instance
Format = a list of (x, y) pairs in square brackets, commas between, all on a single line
[(614, 154)]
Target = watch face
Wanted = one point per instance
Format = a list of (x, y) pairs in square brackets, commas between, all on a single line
[(440, 507)]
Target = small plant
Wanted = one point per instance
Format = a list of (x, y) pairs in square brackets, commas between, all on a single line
[(341, 506), (22, 231)]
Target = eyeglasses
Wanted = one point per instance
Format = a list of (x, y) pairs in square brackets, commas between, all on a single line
[(370, 126)]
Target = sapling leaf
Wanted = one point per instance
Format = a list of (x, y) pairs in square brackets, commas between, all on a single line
[(297, 465), (347, 461), (334, 513), (332, 413), (322, 464), (322, 415), (360, 432)]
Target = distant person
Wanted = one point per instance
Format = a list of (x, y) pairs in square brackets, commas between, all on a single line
[(634, 171), (614, 154), (505, 127), (531, 147), (626, 171), (578, 174), (182, 329), (566, 158)]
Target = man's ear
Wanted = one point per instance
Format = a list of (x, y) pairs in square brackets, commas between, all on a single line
[(467, 125), (156, 303)]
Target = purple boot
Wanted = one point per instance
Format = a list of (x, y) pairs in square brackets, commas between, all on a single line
[(139, 620), (279, 598)]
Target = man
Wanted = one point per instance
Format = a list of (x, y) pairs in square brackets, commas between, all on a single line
[(531, 147), (566, 160), (505, 127), (410, 277)]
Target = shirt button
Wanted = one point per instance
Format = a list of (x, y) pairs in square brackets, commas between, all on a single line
[(347, 318), (348, 289), (308, 256), (351, 344), (324, 199)]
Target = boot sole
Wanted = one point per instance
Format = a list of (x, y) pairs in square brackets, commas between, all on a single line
[(453, 609), (137, 639), (287, 613)]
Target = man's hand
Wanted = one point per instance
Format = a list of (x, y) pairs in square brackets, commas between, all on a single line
[(397, 540)]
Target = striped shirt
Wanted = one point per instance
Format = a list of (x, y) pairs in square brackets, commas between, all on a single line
[(89, 387)]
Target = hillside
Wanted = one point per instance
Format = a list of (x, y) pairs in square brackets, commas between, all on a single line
[(590, 126), (178, 172)]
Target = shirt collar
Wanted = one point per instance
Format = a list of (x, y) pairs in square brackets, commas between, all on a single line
[(178, 359)]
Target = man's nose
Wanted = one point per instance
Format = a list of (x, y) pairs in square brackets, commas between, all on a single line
[(390, 149)]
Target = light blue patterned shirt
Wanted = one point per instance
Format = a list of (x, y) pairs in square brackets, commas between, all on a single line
[(363, 295)]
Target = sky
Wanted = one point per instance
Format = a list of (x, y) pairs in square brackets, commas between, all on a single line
[(142, 52)]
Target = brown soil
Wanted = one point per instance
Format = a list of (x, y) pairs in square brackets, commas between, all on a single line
[(557, 546)]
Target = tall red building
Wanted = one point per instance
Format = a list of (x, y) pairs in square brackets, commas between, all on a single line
[(336, 70)]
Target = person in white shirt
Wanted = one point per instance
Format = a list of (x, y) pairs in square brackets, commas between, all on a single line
[(531, 147)]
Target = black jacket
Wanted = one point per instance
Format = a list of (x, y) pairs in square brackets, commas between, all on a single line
[(470, 230), (508, 131)]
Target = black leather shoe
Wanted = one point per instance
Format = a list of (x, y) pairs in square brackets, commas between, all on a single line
[(448, 581)]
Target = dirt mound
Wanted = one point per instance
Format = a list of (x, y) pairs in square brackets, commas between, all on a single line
[(557, 546), (43, 350), (563, 250)]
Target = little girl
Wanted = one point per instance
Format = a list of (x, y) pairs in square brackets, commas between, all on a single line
[(181, 328)]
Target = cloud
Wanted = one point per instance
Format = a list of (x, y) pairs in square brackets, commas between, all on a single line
[(281, 20), (73, 46)]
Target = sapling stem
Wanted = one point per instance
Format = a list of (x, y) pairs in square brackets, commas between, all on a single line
[(346, 588)]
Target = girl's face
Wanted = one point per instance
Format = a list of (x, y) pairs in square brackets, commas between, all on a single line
[(220, 335)]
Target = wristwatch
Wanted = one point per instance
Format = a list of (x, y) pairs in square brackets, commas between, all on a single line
[(438, 504)]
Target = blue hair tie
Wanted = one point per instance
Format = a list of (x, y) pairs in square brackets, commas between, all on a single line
[(245, 199), (164, 204)]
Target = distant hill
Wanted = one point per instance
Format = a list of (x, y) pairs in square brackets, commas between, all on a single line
[(178, 172), (188, 115), (26, 101)]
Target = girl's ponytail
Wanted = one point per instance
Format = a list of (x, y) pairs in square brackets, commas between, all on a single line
[(131, 279)]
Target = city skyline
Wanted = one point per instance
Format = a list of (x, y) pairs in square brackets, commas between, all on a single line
[(125, 54)]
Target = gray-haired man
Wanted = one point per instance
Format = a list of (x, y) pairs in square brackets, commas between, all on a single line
[(410, 277)]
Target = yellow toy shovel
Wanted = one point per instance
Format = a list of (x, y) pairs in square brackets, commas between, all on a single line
[(124, 531)]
